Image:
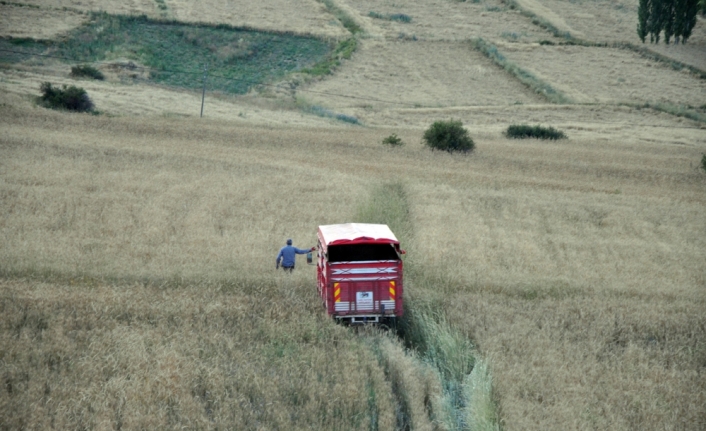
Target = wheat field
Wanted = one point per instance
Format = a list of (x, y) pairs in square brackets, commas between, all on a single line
[(137, 279)]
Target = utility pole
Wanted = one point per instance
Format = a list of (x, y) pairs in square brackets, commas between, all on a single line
[(203, 95)]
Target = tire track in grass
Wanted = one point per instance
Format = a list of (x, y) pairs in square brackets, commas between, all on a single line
[(436, 376)]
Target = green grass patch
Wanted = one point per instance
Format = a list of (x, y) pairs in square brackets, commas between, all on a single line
[(393, 140), (343, 51), (15, 50), (176, 53), (326, 113), (537, 85), (523, 131)]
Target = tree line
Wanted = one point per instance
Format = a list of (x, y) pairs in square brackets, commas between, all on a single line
[(676, 18)]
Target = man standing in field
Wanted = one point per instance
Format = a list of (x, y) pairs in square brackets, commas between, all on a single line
[(287, 256)]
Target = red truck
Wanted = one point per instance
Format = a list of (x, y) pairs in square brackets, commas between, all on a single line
[(359, 272)]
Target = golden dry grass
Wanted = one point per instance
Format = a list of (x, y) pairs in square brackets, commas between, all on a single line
[(18, 21), (625, 76), (296, 16), (577, 258), (137, 247), (428, 74), (135, 357)]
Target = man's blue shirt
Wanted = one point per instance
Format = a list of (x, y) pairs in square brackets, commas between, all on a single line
[(288, 255)]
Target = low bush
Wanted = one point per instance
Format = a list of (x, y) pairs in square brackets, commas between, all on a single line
[(399, 17), (523, 131), (448, 136), (71, 98), (703, 162), (86, 71), (327, 113), (393, 140)]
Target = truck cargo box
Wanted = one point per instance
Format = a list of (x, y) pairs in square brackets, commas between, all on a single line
[(359, 272)]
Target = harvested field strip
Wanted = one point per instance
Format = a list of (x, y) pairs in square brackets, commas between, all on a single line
[(431, 341), (572, 40), (537, 85)]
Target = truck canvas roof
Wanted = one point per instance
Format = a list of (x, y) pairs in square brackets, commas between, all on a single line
[(357, 233)]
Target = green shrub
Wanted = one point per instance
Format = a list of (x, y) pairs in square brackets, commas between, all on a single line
[(703, 162), (448, 136), (393, 140), (70, 98), (400, 17), (86, 71), (326, 113), (523, 131)]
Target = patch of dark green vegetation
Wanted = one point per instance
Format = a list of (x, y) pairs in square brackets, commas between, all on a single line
[(326, 113), (70, 98), (399, 17), (176, 53), (15, 50), (9, 3), (448, 136), (343, 51), (393, 140), (524, 131), (86, 71)]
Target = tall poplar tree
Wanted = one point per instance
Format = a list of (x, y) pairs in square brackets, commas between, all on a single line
[(643, 13), (676, 18)]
